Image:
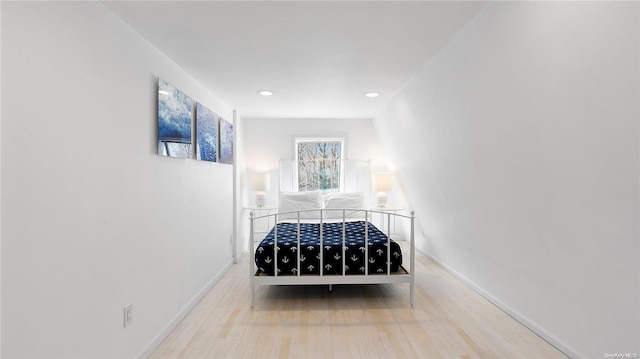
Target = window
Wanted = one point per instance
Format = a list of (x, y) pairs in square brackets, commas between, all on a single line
[(319, 164)]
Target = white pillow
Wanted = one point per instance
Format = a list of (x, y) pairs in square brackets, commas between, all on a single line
[(297, 201), (344, 200)]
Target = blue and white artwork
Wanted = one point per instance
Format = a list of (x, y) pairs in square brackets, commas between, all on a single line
[(174, 121), (226, 141), (206, 133)]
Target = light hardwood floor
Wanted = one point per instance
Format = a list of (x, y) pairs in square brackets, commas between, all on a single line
[(449, 320)]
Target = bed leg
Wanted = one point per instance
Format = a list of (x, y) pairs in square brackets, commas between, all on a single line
[(252, 288), (330, 287), (252, 297), (411, 293)]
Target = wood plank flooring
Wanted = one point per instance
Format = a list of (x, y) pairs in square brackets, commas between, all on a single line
[(449, 320)]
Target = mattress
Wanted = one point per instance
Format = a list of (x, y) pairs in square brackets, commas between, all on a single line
[(331, 249)]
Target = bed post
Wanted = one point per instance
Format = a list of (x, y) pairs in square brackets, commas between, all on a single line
[(321, 270), (251, 251), (344, 243), (389, 241), (275, 245), (298, 265), (366, 242), (413, 259)]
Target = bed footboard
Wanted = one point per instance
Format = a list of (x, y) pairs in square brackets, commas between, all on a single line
[(293, 238)]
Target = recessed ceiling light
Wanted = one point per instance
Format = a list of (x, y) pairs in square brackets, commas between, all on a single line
[(265, 92), (372, 94)]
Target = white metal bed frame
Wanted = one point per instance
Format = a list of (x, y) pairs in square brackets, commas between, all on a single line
[(402, 276)]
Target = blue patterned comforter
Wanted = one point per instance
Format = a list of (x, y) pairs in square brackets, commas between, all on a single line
[(332, 249)]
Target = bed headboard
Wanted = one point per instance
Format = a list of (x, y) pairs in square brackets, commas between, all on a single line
[(353, 176)]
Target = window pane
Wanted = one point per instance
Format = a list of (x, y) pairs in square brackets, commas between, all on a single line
[(319, 165)]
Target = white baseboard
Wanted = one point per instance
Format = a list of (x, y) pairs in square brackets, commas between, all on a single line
[(530, 324), (164, 333)]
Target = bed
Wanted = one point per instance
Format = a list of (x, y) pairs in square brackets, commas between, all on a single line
[(327, 239)]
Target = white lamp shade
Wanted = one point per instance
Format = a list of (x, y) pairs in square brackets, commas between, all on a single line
[(383, 181), (260, 181)]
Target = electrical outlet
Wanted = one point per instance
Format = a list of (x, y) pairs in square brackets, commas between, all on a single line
[(128, 315)]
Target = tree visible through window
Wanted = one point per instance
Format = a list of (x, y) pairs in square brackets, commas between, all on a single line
[(319, 164)]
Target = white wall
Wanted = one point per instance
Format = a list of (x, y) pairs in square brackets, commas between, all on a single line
[(267, 141), (523, 166), (0, 184), (92, 218)]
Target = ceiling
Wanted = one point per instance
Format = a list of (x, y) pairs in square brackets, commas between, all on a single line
[(318, 57)]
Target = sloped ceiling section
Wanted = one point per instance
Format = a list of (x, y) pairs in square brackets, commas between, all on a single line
[(319, 57)]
